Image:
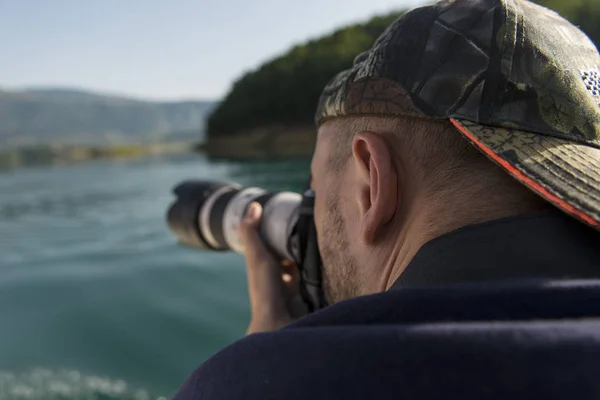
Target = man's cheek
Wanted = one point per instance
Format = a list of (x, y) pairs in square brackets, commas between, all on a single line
[(318, 216)]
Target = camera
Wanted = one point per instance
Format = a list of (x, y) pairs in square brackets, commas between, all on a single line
[(206, 215)]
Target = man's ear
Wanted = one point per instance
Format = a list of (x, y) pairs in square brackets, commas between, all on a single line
[(377, 183)]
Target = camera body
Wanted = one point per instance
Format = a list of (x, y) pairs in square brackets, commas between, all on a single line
[(207, 214)]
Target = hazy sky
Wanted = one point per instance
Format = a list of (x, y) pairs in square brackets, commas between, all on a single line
[(160, 49)]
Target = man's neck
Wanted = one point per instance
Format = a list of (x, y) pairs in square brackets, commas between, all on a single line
[(425, 225)]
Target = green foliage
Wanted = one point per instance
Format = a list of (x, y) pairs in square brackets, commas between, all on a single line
[(286, 90), (583, 13)]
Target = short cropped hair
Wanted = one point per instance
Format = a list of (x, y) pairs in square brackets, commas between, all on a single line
[(433, 143), (448, 163)]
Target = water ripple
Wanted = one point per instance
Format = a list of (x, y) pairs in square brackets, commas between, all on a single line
[(46, 384), (69, 205), (91, 278)]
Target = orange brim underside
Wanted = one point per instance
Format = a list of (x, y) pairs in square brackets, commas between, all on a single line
[(566, 174)]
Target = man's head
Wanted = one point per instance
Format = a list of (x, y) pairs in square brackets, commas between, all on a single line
[(458, 114), (385, 186)]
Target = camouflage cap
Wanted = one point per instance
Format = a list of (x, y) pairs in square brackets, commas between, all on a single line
[(516, 79)]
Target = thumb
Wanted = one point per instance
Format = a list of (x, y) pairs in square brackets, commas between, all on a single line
[(265, 286)]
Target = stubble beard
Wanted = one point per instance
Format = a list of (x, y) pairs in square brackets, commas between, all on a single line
[(340, 280)]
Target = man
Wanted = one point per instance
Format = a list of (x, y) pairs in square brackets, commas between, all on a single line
[(457, 182)]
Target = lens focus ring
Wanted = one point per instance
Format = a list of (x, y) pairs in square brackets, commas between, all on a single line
[(209, 212)]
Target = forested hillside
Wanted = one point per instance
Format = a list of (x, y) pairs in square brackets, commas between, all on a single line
[(285, 91)]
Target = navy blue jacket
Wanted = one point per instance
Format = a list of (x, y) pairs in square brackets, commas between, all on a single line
[(503, 310)]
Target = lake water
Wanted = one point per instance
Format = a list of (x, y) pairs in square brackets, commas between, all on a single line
[(97, 300)]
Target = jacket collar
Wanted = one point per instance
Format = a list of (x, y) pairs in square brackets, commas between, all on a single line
[(547, 244)]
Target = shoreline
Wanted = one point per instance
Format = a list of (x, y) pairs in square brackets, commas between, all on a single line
[(262, 144), (267, 143), (40, 155)]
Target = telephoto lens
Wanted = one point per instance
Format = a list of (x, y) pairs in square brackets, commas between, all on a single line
[(207, 215)]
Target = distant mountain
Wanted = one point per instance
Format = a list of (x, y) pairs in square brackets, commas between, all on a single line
[(64, 116)]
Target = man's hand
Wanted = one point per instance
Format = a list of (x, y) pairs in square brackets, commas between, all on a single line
[(273, 288)]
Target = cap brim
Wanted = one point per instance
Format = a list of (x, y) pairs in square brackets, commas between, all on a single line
[(564, 173)]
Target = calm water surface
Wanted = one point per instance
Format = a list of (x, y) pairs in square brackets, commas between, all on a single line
[(97, 300)]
